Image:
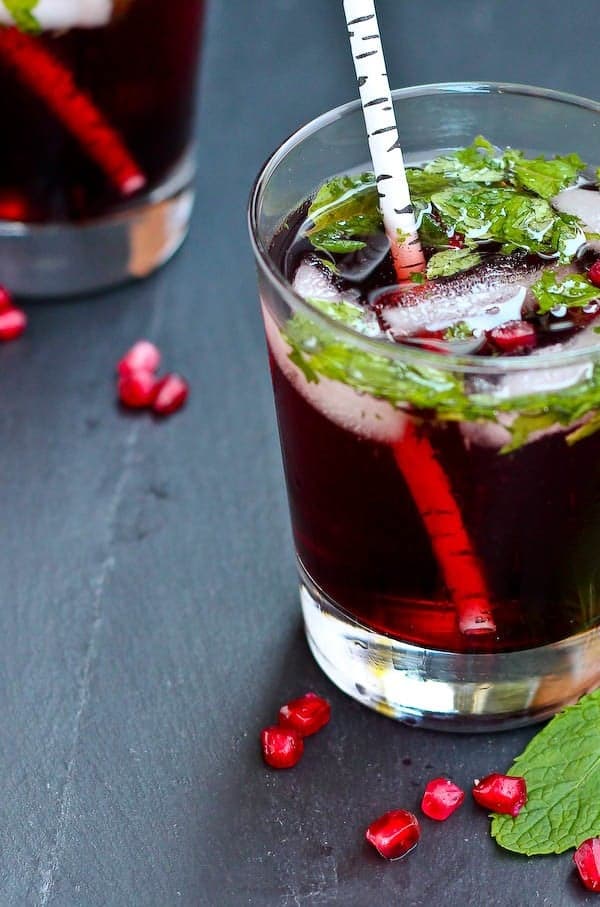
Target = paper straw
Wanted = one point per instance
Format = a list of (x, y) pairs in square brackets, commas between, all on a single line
[(382, 131), (426, 480)]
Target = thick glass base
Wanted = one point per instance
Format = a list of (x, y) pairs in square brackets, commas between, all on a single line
[(62, 259), (447, 690)]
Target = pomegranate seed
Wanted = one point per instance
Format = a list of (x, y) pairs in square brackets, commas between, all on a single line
[(137, 390), (441, 798), (281, 747), (307, 715), (13, 206), (456, 241), (171, 394), (6, 301), (501, 793), (513, 336), (142, 357), (12, 323), (394, 834), (587, 860), (594, 273)]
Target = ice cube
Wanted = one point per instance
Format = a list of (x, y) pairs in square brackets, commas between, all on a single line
[(356, 412), (492, 295), (584, 203), (314, 280)]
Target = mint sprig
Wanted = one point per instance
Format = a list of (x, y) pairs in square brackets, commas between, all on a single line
[(452, 261), (344, 210), (22, 14), (561, 766)]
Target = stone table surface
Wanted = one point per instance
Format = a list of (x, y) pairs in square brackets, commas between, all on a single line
[(149, 624)]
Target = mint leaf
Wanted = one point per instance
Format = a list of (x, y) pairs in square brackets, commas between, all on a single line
[(561, 766), (22, 14), (343, 210), (431, 234), (459, 331), (541, 176), (452, 261), (423, 184), (575, 291), (479, 163), (515, 219)]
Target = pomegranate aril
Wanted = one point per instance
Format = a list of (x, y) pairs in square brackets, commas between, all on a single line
[(307, 715), (171, 394), (587, 860), (513, 337), (137, 390), (12, 323), (281, 747), (501, 793), (441, 798), (6, 301), (143, 356), (394, 834), (594, 276), (457, 241)]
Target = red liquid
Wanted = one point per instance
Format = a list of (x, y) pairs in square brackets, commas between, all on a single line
[(533, 517), (139, 71)]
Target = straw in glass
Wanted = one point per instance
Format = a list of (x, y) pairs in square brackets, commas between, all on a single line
[(415, 457), (52, 82)]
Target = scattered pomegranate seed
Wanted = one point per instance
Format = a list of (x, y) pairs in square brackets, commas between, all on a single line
[(394, 834), (13, 206), (456, 241), (281, 747), (143, 356), (6, 301), (441, 798), (12, 323), (137, 390), (587, 860), (513, 336), (307, 715), (594, 275), (501, 793), (172, 392)]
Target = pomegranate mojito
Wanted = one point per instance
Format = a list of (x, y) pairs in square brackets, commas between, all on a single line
[(441, 437), (99, 95)]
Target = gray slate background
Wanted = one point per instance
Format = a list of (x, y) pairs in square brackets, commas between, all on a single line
[(149, 625)]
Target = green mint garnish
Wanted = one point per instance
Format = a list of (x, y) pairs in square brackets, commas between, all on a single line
[(22, 14), (459, 331), (320, 353), (343, 210), (452, 261), (479, 163), (418, 277), (503, 215), (561, 766), (545, 178), (575, 291), (431, 234)]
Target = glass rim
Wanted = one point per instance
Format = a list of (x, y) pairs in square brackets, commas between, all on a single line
[(408, 354)]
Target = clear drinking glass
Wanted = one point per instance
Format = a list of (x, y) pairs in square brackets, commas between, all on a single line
[(96, 168), (387, 615)]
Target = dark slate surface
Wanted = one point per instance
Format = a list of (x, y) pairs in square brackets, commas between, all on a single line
[(149, 625)]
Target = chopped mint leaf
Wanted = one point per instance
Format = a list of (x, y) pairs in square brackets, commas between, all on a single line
[(479, 163), (431, 234), (524, 426), (575, 291), (541, 176), (401, 236), (349, 313), (459, 331), (501, 214), (597, 330), (562, 771), (452, 261), (343, 210), (22, 14), (417, 277), (422, 184)]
